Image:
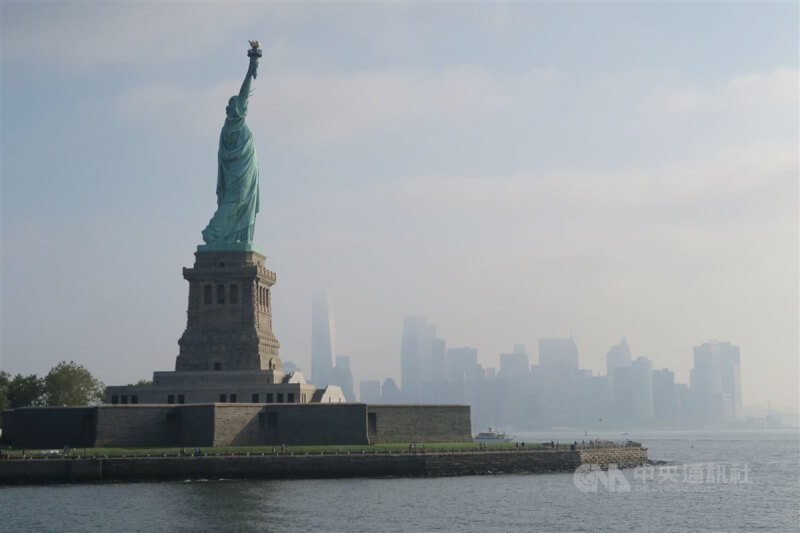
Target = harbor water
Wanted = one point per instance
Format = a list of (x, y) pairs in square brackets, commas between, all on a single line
[(721, 481)]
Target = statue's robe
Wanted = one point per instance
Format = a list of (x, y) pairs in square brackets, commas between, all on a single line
[(237, 181)]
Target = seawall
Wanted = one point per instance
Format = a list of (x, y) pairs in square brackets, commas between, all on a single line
[(287, 466)]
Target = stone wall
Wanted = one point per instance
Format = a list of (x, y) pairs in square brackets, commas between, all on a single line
[(419, 423), (287, 466), (50, 427), (238, 424), (502, 462), (197, 425), (344, 423), (127, 426), (624, 457)]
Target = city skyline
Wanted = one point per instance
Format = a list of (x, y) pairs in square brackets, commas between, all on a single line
[(425, 357), (419, 342), (555, 390), (511, 171)]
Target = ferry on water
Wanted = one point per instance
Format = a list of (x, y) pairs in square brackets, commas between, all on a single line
[(493, 435)]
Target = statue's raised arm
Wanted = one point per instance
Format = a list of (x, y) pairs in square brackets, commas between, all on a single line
[(252, 72), (233, 223)]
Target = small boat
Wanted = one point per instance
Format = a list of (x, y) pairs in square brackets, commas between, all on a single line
[(493, 435)]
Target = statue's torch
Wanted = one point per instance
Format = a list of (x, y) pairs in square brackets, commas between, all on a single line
[(254, 53)]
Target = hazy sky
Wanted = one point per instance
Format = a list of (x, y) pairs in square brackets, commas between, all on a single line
[(510, 171)]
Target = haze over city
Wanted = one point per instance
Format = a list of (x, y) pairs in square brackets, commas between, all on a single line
[(509, 171)]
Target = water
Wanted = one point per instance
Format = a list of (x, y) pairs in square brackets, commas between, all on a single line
[(767, 499)]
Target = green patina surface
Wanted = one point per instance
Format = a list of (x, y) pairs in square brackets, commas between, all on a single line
[(233, 223)]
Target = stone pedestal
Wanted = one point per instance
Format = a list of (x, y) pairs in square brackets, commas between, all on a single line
[(229, 318)]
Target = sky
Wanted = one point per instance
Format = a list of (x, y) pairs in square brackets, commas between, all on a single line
[(511, 171)]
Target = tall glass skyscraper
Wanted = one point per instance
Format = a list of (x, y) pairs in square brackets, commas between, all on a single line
[(322, 340)]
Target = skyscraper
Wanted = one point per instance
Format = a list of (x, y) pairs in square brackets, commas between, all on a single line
[(665, 398), (619, 355), (559, 356), (369, 391), (558, 364), (514, 365), (462, 364), (438, 351), (416, 356), (343, 377), (322, 340), (390, 393), (623, 394), (716, 383), (557, 373), (642, 388), (619, 381)]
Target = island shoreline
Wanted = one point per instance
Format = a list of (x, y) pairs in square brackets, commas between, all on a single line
[(24, 471)]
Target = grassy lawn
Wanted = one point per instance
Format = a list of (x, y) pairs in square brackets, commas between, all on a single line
[(258, 450)]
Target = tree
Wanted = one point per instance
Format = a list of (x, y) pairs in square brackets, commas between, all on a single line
[(25, 391), (5, 379), (71, 384)]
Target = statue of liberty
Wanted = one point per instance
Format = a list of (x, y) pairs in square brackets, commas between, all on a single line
[(233, 223)]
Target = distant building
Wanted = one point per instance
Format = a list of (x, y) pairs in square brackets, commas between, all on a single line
[(558, 356), (438, 363), (716, 384), (556, 377), (343, 377), (665, 398), (683, 398), (322, 340), (623, 395), (462, 364), (595, 400), (416, 356), (369, 391), (617, 356), (390, 392), (514, 365), (642, 389)]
